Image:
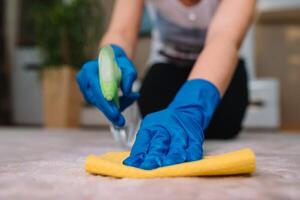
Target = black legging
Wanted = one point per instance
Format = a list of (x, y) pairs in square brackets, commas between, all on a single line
[(163, 80)]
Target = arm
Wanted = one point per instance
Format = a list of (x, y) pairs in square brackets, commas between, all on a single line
[(175, 134), (121, 37), (124, 25), (218, 60)]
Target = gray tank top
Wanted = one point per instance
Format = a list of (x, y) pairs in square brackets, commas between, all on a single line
[(179, 31)]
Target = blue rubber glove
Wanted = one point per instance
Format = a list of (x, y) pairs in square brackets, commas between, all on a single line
[(175, 134), (88, 81)]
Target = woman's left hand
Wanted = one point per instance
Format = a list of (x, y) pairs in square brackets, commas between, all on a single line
[(175, 134)]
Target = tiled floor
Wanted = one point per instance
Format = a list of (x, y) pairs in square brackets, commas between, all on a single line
[(49, 164)]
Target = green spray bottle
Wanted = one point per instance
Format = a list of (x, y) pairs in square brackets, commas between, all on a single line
[(110, 78), (109, 74)]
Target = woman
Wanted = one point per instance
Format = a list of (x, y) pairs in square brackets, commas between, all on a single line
[(196, 85)]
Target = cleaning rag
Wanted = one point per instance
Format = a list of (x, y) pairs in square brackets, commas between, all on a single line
[(232, 163)]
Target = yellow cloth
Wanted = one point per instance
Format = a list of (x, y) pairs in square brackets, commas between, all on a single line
[(232, 163)]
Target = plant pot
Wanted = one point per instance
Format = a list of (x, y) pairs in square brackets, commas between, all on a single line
[(61, 98)]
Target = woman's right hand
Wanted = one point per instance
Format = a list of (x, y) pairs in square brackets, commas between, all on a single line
[(88, 81)]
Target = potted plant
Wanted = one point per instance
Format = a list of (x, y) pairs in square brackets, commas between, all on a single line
[(67, 33)]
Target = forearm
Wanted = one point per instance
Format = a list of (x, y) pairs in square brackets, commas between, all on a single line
[(128, 44), (216, 64), (124, 26), (218, 60)]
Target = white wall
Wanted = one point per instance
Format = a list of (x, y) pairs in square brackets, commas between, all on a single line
[(266, 5), (247, 52)]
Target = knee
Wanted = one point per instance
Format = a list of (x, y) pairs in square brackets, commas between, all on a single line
[(222, 132)]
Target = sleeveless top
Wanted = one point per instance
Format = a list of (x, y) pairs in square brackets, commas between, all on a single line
[(178, 31)]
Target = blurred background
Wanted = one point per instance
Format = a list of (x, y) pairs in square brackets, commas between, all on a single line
[(38, 90)]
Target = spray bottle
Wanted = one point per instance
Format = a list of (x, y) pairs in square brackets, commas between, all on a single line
[(110, 78)]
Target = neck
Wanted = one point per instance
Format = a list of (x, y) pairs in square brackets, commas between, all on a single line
[(190, 2)]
